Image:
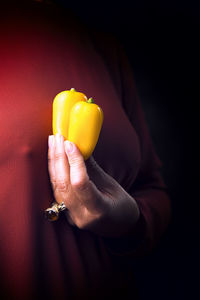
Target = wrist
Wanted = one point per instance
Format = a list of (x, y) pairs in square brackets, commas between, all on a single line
[(120, 219)]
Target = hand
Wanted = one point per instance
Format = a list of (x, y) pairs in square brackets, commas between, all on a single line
[(94, 200)]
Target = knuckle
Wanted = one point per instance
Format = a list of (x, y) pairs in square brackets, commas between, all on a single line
[(50, 156), (53, 182), (59, 156), (62, 186), (76, 161), (81, 185)]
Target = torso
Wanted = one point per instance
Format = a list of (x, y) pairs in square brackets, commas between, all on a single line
[(35, 64)]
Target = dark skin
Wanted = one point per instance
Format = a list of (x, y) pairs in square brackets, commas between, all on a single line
[(94, 200)]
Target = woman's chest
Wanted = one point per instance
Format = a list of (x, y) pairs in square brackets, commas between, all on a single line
[(30, 79)]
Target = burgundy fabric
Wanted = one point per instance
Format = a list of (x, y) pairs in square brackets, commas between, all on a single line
[(41, 55)]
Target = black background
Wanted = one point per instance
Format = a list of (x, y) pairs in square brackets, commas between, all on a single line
[(161, 41)]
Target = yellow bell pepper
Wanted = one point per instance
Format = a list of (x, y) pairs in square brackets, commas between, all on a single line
[(62, 104), (78, 119), (86, 119)]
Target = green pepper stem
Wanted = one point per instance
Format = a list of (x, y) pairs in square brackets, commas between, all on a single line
[(90, 100)]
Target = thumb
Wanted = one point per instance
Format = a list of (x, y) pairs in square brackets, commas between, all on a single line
[(78, 172)]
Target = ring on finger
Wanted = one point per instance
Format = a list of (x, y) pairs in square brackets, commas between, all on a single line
[(52, 213)]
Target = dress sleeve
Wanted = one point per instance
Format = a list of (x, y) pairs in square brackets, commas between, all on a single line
[(148, 190)]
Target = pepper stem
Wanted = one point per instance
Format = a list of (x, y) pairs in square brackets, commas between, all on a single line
[(72, 90), (90, 100)]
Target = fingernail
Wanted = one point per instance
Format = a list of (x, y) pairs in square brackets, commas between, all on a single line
[(59, 139), (69, 147), (51, 141)]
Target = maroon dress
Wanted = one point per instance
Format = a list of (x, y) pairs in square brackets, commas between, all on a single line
[(42, 53)]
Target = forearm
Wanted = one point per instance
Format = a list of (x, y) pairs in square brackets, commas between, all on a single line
[(155, 207)]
